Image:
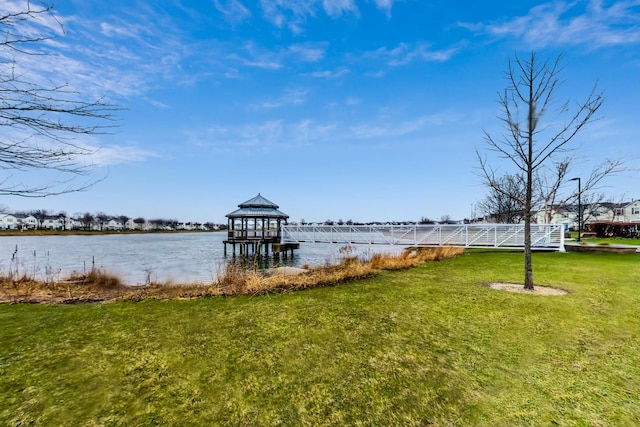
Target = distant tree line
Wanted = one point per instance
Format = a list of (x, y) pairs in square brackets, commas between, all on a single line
[(445, 219)]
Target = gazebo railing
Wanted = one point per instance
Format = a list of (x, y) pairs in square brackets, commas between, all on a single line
[(253, 234)]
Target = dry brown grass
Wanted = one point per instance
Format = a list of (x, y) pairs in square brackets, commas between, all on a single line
[(411, 257), (95, 285), (235, 278), (96, 278)]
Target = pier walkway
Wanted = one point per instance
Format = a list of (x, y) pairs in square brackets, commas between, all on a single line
[(511, 236)]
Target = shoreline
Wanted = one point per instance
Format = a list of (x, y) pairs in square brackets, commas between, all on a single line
[(235, 279), (40, 233)]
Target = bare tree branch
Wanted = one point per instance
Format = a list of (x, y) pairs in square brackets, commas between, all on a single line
[(43, 122)]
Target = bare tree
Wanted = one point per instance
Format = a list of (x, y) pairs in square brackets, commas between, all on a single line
[(554, 200), (504, 203), (44, 121), (446, 219), (532, 86), (87, 220), (124, 219), (426, 220), (64, 218), (157, 223), (591, 207), (101, 219), (40, 215), (139, 222)]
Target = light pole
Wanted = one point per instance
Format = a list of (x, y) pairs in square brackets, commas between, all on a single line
[(579, 206)]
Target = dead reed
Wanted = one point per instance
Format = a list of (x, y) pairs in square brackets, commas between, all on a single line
[(94, 285)]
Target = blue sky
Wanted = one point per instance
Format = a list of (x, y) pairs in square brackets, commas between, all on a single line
[(337, 109)]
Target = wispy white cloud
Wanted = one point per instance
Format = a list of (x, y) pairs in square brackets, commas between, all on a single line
[(293, 14), (128, 54), (116, 56), (385, 5), (279, 134), (122, 31), (404, 54), (329, 74), (393, 129), (265, 136), (157, 104), (261, 136), (570, 23), (233, 11), (32, 28), (288, 13), (265, 60), (308, 52), (290, 97), (111, 155), (336, 8), (255, 56), (352, 101)]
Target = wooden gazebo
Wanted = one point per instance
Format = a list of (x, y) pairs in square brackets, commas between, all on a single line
[(256, 224)]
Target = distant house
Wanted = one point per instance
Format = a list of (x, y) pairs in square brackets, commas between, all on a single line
[(114, 224), (98, 222), (50, 222), (137, 224), (631, 212), (600, 212), (8, 222), (26, 222), (74, 224)]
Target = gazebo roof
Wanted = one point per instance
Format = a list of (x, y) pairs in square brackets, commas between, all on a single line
[(258, 202), (258, 207)]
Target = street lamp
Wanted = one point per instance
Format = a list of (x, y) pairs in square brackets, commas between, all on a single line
[(579, 205)]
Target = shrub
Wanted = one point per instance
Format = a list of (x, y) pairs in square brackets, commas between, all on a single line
[(96, 278)]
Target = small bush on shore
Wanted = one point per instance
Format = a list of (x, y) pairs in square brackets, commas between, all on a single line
[(95, 285), (97, 278), (235, 278)]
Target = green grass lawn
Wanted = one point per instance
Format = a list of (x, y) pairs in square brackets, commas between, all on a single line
[(429, 345), (608, 240), (613, 241)]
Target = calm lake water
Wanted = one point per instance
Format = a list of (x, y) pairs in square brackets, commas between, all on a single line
[(137, 258)]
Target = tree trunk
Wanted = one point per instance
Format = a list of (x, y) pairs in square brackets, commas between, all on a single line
[(528, 265), (531, 126)]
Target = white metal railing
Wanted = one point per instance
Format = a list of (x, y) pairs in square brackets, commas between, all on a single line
[(543, 236)]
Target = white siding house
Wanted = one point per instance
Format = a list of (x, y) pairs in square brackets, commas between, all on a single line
[(53, 223), (8, 222), (604, 212), (114, 224), (631, 212), (27, 222), (132, 225)]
